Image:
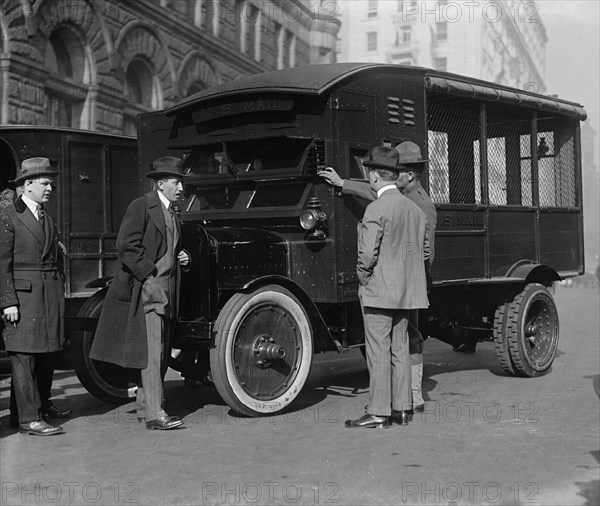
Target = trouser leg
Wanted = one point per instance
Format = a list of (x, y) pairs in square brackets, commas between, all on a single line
[(401, 373), (378, 330), (27, 396), (44, 372), (416, 345), (152, 380)]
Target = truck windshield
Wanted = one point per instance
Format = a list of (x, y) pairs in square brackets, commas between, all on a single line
[(251, 159)]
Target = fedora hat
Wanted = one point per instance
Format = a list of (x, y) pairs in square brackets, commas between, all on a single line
[(33, 168), (409, 152), (167, 166), (382, 157)]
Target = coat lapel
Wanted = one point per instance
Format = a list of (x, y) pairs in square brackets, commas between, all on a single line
[(156, 213), (30, 221)]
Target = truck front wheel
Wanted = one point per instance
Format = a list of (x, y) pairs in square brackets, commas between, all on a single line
[(532, 330), (107, 382), (263, 351)]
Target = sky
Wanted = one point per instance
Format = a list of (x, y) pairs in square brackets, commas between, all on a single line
[(573, 53)]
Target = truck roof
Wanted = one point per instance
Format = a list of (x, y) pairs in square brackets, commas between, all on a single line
[(318, 80)]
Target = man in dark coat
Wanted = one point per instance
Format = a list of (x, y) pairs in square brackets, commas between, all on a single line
[(140, 309), (32, 296), (412, 165)]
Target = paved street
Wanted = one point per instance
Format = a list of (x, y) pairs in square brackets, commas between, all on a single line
[(484, 439)]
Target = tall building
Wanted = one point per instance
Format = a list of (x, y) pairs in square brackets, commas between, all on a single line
[(96, 64), (502, 41)]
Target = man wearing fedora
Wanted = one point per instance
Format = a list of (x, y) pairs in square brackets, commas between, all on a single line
[(412, 165), (32, 298), (140, 309), (391, 240)]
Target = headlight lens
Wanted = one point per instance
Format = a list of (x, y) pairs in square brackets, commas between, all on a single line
[(309, 219)]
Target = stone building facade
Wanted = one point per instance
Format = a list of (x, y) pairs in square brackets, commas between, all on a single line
[(96, 64), (502, 41)]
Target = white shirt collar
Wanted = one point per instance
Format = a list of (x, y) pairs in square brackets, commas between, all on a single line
[(386, 188), (166, 202), (31, 204)]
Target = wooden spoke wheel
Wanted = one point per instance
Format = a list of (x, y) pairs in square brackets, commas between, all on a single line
[(532, 330), (263, 351), (107, 382)]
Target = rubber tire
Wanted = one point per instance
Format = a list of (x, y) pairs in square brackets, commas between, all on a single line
[(228, 325), (534, 297), (89, 374), (501, 340)]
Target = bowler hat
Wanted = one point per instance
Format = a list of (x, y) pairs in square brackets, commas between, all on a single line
[(382, 157), (33, 168), (167, 166), (409, 152)]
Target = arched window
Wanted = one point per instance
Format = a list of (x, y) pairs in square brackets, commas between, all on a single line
[(143, 92), (249, 20), (68, 90), (195, 87)]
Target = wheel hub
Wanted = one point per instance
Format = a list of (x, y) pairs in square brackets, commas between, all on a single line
[(266, 351)]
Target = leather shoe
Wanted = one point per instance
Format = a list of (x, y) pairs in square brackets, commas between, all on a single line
[(39, 428), (53, 412), (416, 409), (368, 421), (400, 417), (165, 422)]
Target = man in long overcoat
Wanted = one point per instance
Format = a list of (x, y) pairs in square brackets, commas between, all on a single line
[(32, 294), (392, 242), (412, 165), (140, 309)]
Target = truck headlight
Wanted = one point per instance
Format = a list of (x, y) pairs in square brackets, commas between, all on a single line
[(310, 218), (313, 219)]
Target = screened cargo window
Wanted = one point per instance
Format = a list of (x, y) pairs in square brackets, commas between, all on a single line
[(509, 160), (556, 162), (453, 140)]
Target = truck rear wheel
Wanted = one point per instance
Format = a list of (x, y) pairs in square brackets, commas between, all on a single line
[(532, 330), (108, 382), (501, 339), (263, 351)]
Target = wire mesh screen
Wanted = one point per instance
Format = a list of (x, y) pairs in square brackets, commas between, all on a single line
[(556, 163), (509, 157), (454, 160)]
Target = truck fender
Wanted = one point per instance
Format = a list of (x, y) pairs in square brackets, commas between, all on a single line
[(99, 282), (322, 338), (532, 272)]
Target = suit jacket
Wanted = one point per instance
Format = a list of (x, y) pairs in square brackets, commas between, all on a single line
[(417, 194), (32, 279), (391, 242), (121, 333)]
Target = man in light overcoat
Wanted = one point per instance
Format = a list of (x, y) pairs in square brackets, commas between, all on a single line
[(140, 310), (392, 244), (32, 296)]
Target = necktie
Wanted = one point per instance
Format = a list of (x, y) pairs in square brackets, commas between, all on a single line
[(40, 213)]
